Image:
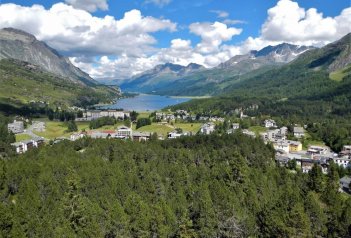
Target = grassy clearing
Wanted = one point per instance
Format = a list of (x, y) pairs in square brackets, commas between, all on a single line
[(144, 114), (258, 129), (340, 74), (22, 137), (191, 127), (53, 130)]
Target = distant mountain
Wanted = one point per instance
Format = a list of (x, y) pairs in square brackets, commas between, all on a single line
[(237, 69), (279, 54), (159, 76), (315, 74), (20, 45)]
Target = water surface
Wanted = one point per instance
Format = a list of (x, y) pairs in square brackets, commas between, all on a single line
[(146, 102)]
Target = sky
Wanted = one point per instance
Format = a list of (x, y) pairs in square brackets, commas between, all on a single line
[(116, 39)]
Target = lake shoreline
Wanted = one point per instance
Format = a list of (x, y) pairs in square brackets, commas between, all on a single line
[(145, 102)]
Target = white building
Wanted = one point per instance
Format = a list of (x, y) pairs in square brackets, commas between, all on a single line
[(207, 128), (16, 127), (299, 132), (343, 161), (26, 145), (235, 126), (77, 136), (124, 132), (282, 146), (38, 126), (317, 150), (249, 133), (96, 114), (176, 134), (268, 123)]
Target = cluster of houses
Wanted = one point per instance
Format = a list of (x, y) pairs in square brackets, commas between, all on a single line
[(96, 114), (320, 155), (16, 127), (186, 116), (122, 132), (26, 145)]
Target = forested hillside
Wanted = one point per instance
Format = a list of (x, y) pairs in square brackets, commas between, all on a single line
[(22, 83), (203, 186)]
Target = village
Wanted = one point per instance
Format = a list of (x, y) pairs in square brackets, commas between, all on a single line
[(172, 125)]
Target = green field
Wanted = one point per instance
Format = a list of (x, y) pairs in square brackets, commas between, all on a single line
[(258, 129), (22, 137), (340, 74), (144, 114)]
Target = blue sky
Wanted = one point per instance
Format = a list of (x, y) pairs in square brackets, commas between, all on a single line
[(177, 31)]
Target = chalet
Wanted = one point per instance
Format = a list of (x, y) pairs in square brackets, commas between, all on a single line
[(207, 128), (272, 135), (38, 126), (283, 130), (268, 123), (141, 136), (235, 126), (19, 147), (99, 135), (282, 146), (249, 133), (16, 127), (38, 142), (343, 161), (299, 132), (346, 151), (124, 132), (317, 150), (306, 167), (176, 134)]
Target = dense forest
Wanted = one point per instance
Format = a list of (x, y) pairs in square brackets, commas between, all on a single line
[(201, 186)]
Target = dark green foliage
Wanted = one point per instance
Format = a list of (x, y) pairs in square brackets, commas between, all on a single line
[(143, 122), (6, 138), (202, 186), (103, 121), (133, 116), (71, 126)]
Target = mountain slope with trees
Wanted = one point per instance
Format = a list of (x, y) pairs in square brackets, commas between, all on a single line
[(203, 186), (23, 83)]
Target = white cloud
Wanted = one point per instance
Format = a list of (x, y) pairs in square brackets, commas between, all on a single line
[(212, 35), (233, 22), (112, 48), (221, 14), (77, 32), (288, 22), (89, 5), (159, 3)]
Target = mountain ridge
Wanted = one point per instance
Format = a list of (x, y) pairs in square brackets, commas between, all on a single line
[(20, 45), (213, 81)]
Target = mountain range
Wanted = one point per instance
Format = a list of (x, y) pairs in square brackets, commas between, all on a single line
[(20, 45), (30, 71), (315, 84), (194, 79)]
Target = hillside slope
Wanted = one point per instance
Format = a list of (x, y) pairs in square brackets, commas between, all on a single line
[(22, 83), (20, 45), (302, 87)]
